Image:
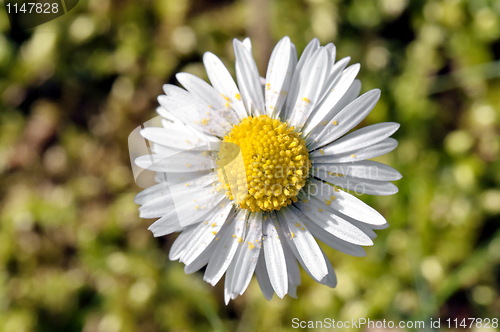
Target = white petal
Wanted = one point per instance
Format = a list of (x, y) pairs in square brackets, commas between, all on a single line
[(227, 294), (223, 82), (303, 244), (292, 266), (333, 241), (365, 169), (330, 72), (177, 139), (224, 116), (248, 79), (332, 54), (226, 248), (247, 42), (335, 73), (360, 186), (292, 291), (310, 87), (181, 242), (309, 50), (333, 224), (263, 278), (275, 258), (188, 108), (242, 267), (201, 260), (368, 152), (329, 201), (188, 209), (161, 196), (201, 89), (150, 193), (211, 228), (365, 228), (359, 139), (175, 103), (191, 236), (193, 133), (176, 93), (330, 279), (341, 82), (156, 207), (278, 77), (347, 204), (349, 96), (186, 178), (182, 161), (297, 74), (348, 118), (168, 116)]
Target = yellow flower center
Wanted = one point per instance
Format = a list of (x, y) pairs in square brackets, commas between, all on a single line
[(262, 164)]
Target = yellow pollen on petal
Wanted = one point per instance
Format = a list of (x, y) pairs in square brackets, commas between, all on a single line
[(329, 201), (237, 96), (334, 122), (338, 175), (307, 100), (262, 164)]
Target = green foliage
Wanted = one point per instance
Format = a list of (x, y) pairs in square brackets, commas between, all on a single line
[(75, 256)]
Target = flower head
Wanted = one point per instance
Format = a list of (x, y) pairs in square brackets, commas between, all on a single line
[(252, 173)]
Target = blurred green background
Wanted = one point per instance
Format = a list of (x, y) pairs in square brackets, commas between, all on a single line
[(75, 256)]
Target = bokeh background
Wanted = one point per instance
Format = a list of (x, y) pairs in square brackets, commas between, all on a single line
[(75, 256)]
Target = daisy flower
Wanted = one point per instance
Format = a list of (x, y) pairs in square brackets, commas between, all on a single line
[(252, 173)]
